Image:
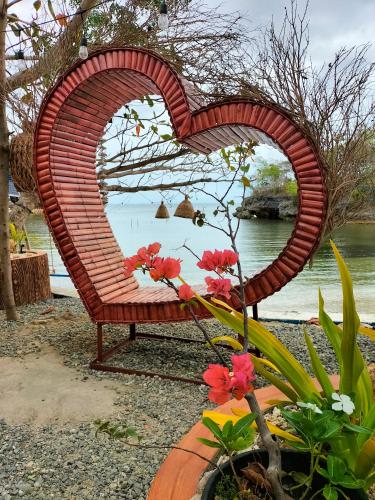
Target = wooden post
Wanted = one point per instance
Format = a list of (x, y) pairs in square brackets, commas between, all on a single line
[(30, 278), (6, 270)]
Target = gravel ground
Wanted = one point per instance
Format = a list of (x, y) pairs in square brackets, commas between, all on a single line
[(66, 462)]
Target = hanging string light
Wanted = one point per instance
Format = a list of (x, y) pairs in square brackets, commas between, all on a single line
[(19, 54), (163, 21), (83, 52)]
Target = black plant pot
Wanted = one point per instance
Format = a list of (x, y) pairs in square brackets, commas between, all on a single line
[(292, 461)]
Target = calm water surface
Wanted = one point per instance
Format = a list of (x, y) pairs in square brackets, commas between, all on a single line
[(259, 242)]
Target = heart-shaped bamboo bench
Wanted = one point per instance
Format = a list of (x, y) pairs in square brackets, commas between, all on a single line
[(70, 126)]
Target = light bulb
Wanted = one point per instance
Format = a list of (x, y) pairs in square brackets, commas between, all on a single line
[(20, 57), (163, 22), (83, 52)]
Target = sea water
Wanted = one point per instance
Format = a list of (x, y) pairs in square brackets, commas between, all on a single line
[(259, 243)]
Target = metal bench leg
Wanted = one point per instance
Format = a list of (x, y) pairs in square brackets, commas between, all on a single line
[(133, 332), (99, 341), (102, 356)]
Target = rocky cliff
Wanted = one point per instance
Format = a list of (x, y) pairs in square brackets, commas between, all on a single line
[(285, 207), (268, 206)]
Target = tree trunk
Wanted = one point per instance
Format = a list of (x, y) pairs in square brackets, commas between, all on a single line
[(6, 270), (30, 276)]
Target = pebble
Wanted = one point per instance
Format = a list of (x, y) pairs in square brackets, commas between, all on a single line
[(64, 462)]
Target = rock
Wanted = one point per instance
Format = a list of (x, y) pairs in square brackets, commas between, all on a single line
[(269, 206)]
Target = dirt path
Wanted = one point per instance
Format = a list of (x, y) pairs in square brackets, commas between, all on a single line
[(39, 389)]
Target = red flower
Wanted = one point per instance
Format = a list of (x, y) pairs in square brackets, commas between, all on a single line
[(147, 254), (210, 260), (229, 258), (131, 264), (220, 286), (168, 268), (243, 374), (154, 248), (219, 261), (218, 378), (225, 384), (185, 292)]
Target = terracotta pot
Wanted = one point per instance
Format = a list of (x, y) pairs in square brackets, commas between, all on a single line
[(292, 460)]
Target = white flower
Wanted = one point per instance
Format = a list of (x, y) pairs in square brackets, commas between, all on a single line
[(344, 403), (310, 406)]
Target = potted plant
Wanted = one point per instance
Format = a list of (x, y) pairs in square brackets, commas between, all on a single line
[(335, 428)]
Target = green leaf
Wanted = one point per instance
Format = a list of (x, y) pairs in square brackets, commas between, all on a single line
[(276, 381), (243, 442), (330, 492), (242, 425), (213, 427), (318, 368), (245, 181), (50, 8), (227, 429), (16, 31), (208, 442), (336, 468), (166, 137), (351, 368), (226, 339), (331, 330), (150, 102), (300, 477), (364, 465), (358, 428), (12, 18)]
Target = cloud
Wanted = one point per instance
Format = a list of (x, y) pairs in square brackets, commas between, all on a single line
[(333, 23)]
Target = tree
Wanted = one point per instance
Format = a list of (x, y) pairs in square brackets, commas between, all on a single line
[(6, 271), (333, 104), (7, 85)]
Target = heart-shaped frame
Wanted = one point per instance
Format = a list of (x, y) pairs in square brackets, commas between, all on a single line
[(70, 125)]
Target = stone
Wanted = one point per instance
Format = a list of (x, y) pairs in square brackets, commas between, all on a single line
[(268, 206)]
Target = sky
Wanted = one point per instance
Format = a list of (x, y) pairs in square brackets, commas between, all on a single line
[(333, 24)]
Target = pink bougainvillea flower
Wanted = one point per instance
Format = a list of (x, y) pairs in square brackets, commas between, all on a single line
[(225, 384), (131, 264), (147, 254), (220, 286), (218, 378), (243, 374), (168, 268), (185, 292), (154, 248), (210, 261), (219, 261), (229, 258)]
